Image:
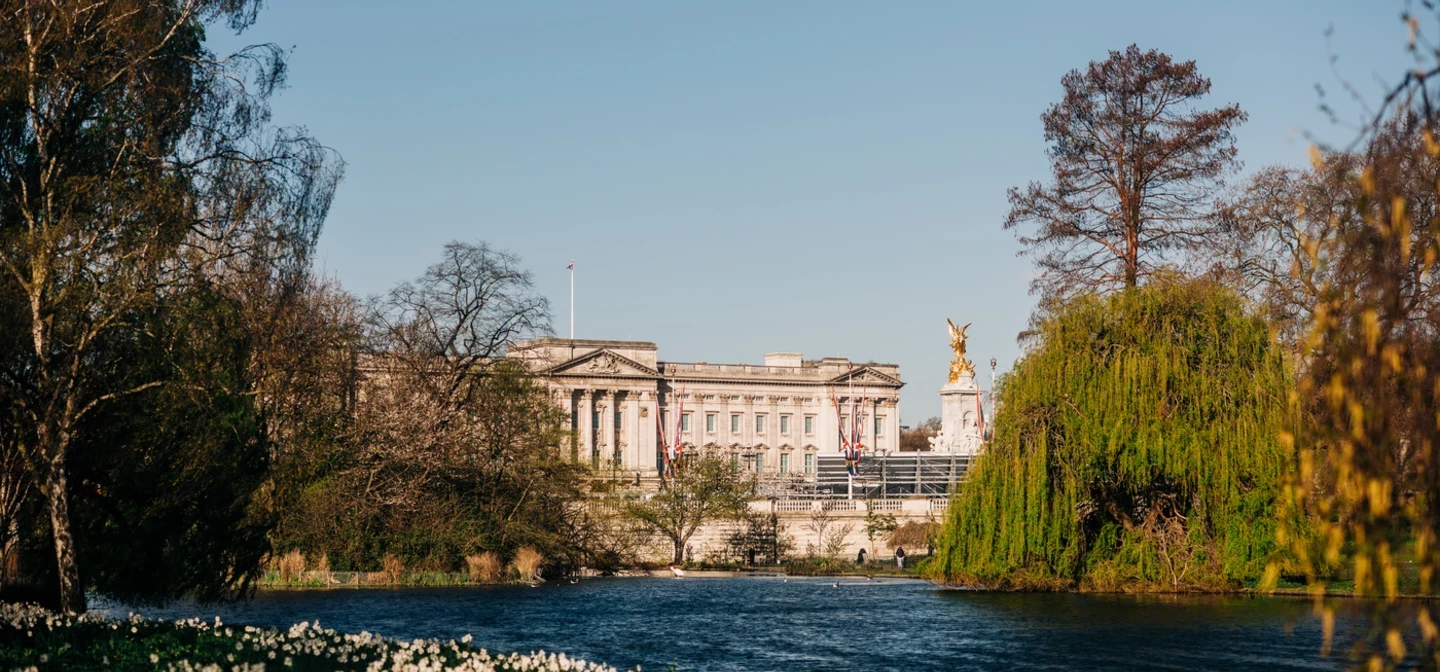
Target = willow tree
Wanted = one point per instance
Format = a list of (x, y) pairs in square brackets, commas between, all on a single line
[(1136, 449)]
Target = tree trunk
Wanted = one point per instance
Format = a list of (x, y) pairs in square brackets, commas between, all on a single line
[(679, 558), (72, 593)]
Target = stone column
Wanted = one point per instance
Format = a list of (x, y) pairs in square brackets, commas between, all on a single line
[(572, 442), (772, 455), (607, 428), (645, 433), (587, 437), (893, 424), (631, 410)]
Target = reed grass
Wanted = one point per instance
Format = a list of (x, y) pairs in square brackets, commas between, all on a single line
[(485, 567), (392, 568), (527, 562), (291, 566)]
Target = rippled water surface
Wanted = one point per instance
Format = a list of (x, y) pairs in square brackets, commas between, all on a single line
[(764, 623)]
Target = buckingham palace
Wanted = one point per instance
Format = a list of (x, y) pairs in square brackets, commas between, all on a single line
[(779, 417)]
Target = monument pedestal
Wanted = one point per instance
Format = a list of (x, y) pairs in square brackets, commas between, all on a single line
[(960, 416)]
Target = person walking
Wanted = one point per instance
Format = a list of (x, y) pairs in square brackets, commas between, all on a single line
[(899, 557)]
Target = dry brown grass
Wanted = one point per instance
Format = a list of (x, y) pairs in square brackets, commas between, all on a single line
[(485, 567), (291, 565), (915, 535), (322, 566), (393, 568), (527, 561)]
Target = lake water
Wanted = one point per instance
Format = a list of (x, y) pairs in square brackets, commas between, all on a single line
[(765, 623)]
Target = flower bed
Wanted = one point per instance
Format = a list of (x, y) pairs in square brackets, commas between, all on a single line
[(33, 638)]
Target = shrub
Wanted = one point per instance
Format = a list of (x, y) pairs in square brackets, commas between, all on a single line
[(914, 535), (393, 568), (485, 567), (291, 565), (527, 562)]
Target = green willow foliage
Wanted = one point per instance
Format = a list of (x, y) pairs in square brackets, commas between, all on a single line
[(1136, 450)]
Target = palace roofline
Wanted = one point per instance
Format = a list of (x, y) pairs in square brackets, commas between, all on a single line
[(586, 342)]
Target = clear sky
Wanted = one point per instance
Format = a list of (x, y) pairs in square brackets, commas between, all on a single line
[(739, 177)]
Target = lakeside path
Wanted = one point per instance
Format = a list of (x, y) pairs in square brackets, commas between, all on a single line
[(768, 623)]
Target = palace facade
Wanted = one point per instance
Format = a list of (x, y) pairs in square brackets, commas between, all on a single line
[(779, 417)]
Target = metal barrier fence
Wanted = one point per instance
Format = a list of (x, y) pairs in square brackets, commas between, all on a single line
[(894, 475)]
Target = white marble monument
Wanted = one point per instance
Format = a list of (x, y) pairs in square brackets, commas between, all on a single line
[(960, 411)]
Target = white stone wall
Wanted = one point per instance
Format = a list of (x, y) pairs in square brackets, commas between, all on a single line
[(711, 539)]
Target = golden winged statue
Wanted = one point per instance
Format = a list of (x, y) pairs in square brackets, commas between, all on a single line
[(960, 366)]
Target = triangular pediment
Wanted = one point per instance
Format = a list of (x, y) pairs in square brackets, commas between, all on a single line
[(865, 376), (603, 363)]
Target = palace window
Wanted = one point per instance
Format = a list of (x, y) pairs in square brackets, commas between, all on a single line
[(756, 463), (784, 424), (684, 422), (735, 460), (734, 423), (595, 420), (759, 423), (784, 461), (809, 424), (879, 426), (809, 463), (710, 423), (618, 418)]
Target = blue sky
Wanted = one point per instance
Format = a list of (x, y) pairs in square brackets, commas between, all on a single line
[(740, 177)]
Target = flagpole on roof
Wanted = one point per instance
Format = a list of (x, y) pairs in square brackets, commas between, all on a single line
[(572, 298)]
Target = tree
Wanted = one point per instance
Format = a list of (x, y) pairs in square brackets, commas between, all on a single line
[(1365, 491), (1134, 164), (877, 524), (134, 163), (453, 448), (1282, 239), (918, 439), (707, 488), (1136, 416)]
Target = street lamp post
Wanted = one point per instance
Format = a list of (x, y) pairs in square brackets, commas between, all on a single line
[(992, 398)]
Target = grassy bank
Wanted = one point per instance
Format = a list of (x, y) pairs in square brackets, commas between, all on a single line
[(35, 639), (320, 579), (847, 567)]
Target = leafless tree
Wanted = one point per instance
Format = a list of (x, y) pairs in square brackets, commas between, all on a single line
[(1135, 165), (450, 436), (918, 439), (1279, 239)]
